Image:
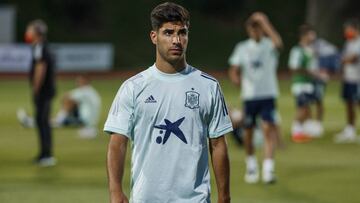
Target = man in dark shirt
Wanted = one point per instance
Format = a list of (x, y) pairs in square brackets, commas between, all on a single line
[(42, 83)]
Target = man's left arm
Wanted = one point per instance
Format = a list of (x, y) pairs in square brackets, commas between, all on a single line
[(39, 75), (221, 166)]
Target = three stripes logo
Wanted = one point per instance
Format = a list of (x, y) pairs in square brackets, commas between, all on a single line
[(150, 99)]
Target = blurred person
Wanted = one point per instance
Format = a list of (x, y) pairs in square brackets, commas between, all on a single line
[(42, 83), (351, 78), (170, 112), (257, 59), (79, 107), (326, 55), (318, 52), (303, 64)]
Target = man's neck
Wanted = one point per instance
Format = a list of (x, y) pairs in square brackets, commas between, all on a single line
[(167, 67)]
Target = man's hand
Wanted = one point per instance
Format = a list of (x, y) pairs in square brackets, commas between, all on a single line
[(118, 197), (224, 199), (268, 28), (260, 17)]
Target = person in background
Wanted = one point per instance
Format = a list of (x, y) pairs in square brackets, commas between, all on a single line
[(80, 107), (326, 56), (351, 78), (42, 83), (304, 66), (257, 59)]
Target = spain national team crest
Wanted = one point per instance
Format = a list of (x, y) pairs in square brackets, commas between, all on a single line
[(192, 99)]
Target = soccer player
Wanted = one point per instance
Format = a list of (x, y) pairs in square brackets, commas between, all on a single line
[(351, 79), (257, 59), (42, 83), (170, 112), (303, 63), (81, 106)]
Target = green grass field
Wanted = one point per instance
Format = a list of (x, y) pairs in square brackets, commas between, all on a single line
[(316, 172)]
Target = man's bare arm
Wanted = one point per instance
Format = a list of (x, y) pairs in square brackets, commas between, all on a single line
[(39, 75), (234, 75), (268, 29), (115, 167), (221, 166)]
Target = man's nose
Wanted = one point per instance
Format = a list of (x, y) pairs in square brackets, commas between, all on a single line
[(176, 39)]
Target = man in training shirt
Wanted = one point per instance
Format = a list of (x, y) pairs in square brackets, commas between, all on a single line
[(257, 59), (350, 63), (169, 112)]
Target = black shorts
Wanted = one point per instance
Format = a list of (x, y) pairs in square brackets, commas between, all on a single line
[(262, 107), (304, 99), (350, 91)]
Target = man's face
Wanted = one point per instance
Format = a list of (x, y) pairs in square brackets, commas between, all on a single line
[(81, 81), (171, 41), (350, 32), (30, 35), (255, 33), (310, 36)]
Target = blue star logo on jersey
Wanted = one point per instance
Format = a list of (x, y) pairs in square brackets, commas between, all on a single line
[(256, 64), (170, 128)]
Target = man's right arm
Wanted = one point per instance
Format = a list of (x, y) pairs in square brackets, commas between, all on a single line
[(234, 75), (115, 167), (268, 29)]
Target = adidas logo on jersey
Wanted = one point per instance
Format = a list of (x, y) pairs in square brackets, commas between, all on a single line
[(150, 99)]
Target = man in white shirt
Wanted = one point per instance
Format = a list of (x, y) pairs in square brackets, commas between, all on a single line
[(80, 107), (170, 112), (351, 79), (257, 59)]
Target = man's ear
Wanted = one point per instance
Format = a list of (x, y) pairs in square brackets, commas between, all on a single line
[(153, 37)]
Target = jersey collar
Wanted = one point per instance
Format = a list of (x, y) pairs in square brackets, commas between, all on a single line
[(170, 76)]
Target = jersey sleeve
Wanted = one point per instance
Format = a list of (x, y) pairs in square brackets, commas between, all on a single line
[(121, 114), (236, 58), (271, 47), (220, 122), (294, 59)]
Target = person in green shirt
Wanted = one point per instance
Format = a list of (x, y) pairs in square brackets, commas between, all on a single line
[(303, 63)]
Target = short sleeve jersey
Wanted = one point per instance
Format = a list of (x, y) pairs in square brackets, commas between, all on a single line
[(169, 118), (41, 53), (302, 58), (88, 103), (352, 71), (258, 62)]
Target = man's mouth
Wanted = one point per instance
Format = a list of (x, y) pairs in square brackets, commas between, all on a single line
[(176, 50)]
